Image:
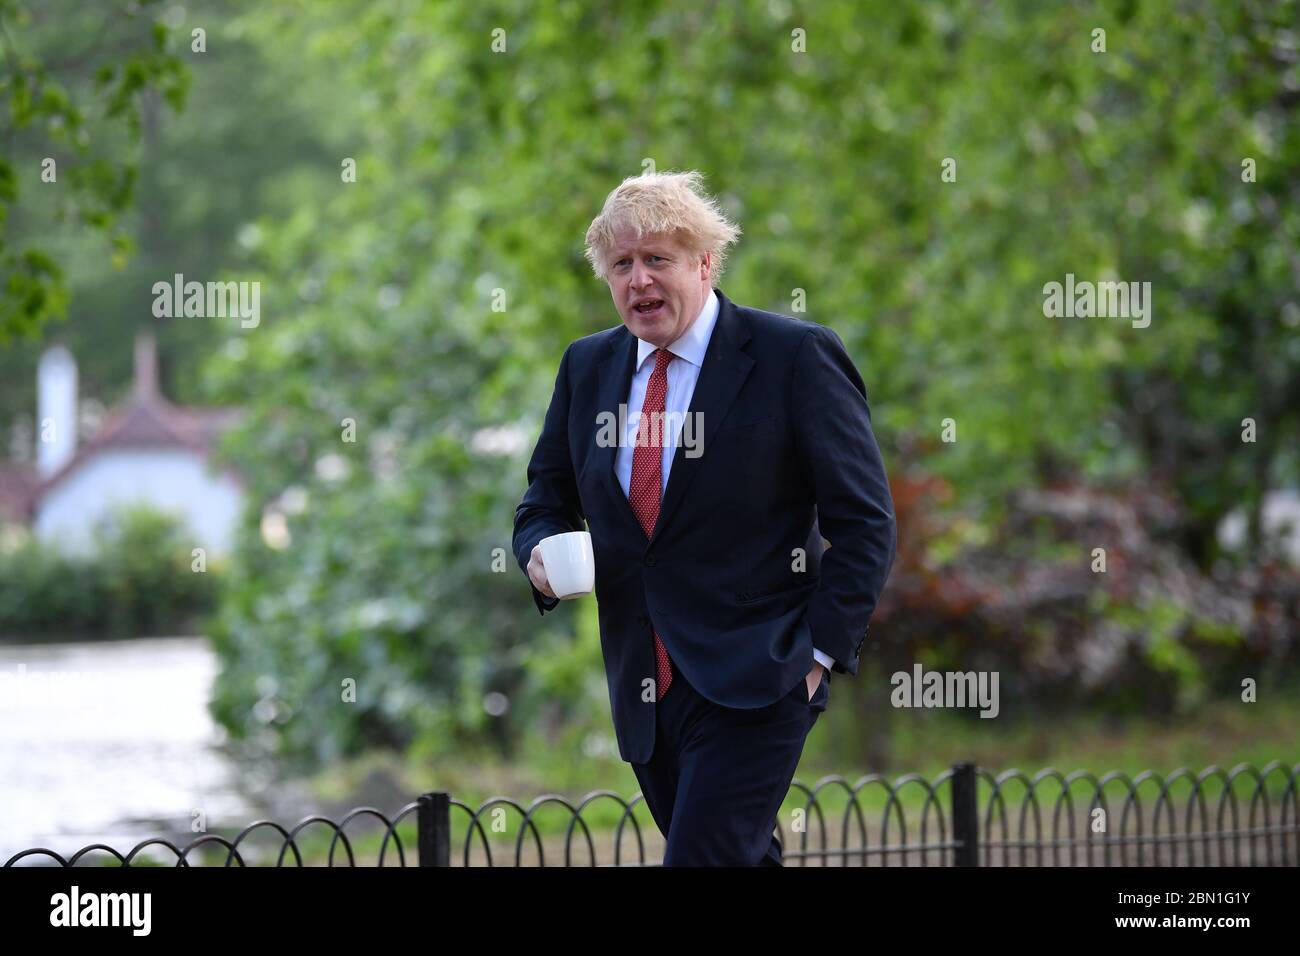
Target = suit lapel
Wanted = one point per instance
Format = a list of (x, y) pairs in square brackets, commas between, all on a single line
[(724, 371), (721, 376), (615, 380)]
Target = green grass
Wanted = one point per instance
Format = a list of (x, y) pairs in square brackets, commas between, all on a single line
[(1224, 733), (926, 742)]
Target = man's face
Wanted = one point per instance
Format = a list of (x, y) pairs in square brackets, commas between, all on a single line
[(657, 268)]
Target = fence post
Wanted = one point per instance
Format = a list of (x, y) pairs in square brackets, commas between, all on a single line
[(433, 818), (965, 815)]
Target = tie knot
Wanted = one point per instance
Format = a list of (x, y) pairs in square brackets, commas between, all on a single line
[(662, 358)]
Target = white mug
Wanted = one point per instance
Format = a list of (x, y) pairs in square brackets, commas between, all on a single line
[(569, 563)]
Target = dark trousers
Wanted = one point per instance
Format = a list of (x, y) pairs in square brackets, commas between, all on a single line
[(718, 775)]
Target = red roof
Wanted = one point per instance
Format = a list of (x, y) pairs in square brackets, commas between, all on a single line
[(148, 421), (145, 420)]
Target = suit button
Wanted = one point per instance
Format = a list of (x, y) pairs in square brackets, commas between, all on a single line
[(649, 560)]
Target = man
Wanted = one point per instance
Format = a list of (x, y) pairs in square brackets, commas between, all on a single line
[(744, 437)]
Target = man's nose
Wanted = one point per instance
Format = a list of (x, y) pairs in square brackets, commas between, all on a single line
[(640, 276)]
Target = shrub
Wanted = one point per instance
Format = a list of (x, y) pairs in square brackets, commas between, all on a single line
[(137, 580)]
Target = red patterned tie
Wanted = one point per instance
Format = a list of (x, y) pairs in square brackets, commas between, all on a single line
[(647, 481)]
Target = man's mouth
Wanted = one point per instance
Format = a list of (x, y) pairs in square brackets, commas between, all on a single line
[(648, 306)]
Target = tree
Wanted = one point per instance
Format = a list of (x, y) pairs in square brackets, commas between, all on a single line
[(73, 89), (485, 139)]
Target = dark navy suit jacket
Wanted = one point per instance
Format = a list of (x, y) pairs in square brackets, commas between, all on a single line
[(788, 458)]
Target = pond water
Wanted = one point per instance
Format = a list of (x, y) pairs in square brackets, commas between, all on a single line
[(112, 742)]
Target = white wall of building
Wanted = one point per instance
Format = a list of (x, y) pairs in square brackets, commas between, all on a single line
[(174, 480)]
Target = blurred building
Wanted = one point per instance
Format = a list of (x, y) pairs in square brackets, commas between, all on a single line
[(145, 451)]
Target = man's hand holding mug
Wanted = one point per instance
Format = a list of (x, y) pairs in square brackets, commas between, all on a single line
[(562, 565)]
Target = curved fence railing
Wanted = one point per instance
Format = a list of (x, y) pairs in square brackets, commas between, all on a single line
[(966, 816)]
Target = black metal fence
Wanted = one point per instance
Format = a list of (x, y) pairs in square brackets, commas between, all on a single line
[(960, 818)]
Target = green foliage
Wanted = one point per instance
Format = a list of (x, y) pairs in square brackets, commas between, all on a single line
[(256, 131), (67, 108), (480, 170), (44, 592), (138, 580), (147, 574)]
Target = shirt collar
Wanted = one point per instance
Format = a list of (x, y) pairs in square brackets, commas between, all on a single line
[(691, 344)]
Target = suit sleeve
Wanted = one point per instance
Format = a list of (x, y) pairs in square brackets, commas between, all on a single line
[(550, 505), (841, 462)]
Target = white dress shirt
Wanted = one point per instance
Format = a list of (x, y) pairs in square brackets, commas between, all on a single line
[(683, 372)]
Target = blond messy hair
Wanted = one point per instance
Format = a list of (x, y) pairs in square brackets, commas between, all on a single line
[(657, 202)]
